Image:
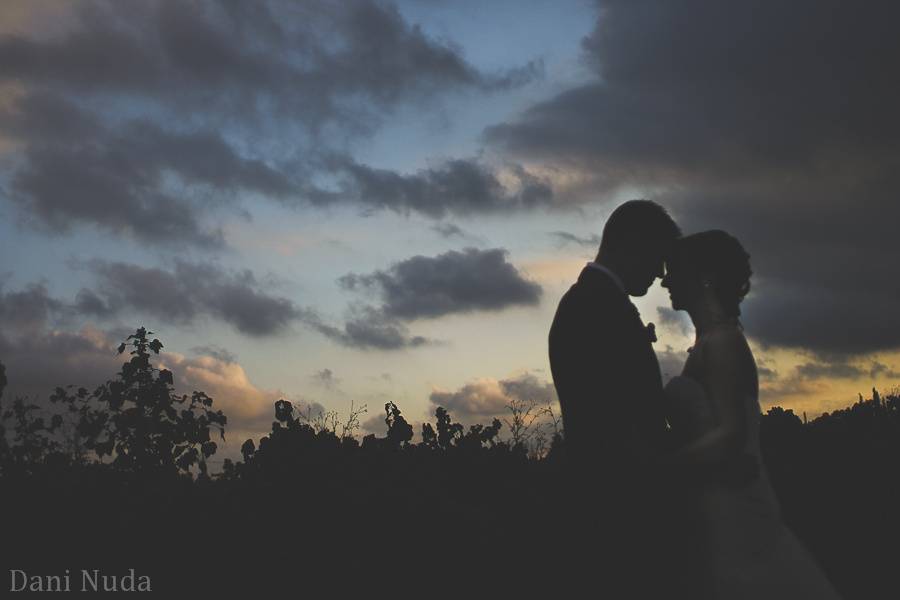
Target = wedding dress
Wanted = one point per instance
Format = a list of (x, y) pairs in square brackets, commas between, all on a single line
[(746, 550)]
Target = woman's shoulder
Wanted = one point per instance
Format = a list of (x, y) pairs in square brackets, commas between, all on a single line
[(724, 339), (722, 347)]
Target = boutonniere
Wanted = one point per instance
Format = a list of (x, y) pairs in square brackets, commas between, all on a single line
[(651, 332)]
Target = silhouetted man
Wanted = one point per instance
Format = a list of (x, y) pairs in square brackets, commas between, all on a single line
[(608, 381)]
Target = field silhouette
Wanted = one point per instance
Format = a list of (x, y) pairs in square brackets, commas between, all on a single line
[(116, 478)]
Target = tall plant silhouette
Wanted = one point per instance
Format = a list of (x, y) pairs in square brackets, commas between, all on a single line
[(32, 442), (139, 420)]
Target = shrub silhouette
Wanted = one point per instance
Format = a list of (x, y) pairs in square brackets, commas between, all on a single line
[(465, 498), (32, 446), (139, 420)]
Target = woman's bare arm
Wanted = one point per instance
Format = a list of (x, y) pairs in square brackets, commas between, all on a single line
[(724, 356)]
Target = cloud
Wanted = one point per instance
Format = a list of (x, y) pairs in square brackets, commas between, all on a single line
[(775, 121), (696, 86), (44, 359), (766, 372), (484, 398), (459, 186), (325, 378), (186, 292), (828, 371), (116, 179), (789, 390), (453, 282), (368, 328), (879, 369), (221, 354), (249, 408), (27, 311), (305, 58), (39, 358), (564, 237), (140, 120), (677, 321), (477, 399), (245, 405), (837, 368), (375, 424), (821, 382), (449, 230)]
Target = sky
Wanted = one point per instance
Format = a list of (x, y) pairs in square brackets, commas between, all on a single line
[(346, 203)]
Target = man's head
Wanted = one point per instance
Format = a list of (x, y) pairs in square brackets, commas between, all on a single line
[(636, 238)]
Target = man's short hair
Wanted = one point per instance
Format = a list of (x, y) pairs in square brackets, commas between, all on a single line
[(639, 223)]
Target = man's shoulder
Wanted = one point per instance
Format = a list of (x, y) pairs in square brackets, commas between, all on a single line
[(587, 314), (591, 302), (596, 287)]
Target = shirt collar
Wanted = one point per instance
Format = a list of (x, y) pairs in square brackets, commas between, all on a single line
[(612, 275)]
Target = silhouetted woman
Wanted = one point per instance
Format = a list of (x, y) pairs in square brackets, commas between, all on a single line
[(743, 548)]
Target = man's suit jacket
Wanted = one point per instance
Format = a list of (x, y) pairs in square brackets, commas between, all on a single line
[(606, 374)]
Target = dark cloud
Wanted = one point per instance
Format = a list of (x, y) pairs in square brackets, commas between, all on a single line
[(778, 392), (810, 384), (775, 121), (453, 282), (47, 358), (325, 378), (88, 303), (139, 119), (368, 329), (189, 291), (39, 356), (763, 369), (879, 369), (459, 187), (675, 320), (701, 85), (449, 230), (27, 311), (829, 371), (564, 237), (840, 369), (120, 179), (220, 354), (528, 388), (303, 59), (375, 424), (767, 373)]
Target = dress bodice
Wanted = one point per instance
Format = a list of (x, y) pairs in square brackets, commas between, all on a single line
[(690, 413), (688, 410), (744, 550)]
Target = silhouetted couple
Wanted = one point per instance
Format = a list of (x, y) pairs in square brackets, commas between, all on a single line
[(669, 496)]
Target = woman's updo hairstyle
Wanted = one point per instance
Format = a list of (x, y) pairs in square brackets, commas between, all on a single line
[(717, 257)]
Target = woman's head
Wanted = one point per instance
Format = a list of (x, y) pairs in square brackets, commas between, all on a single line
[(711, 261)]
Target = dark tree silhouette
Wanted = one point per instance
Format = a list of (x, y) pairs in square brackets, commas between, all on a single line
[(139, 420)]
